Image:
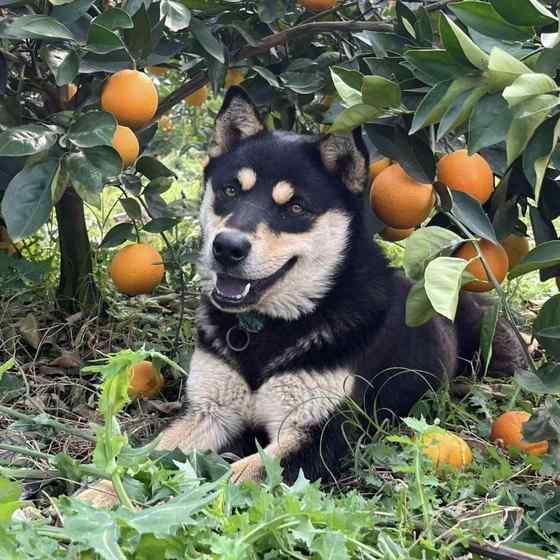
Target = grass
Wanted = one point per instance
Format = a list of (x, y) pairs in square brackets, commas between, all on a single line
[(391, 504)]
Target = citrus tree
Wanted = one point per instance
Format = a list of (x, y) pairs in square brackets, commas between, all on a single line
[(79, 111)]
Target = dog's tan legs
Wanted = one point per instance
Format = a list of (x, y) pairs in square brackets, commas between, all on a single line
[(252, 467)]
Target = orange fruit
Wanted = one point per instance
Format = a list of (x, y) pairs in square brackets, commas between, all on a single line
[(144, 380), (399, 200), (446, 449), (165, 123), (318, 5), (126, 143), (234, 77), (517, 248), (394, 234), (377, 166), (507, 431), (132, 98), (469, 174), (137, 269), (495, 256), (197, 98), (157, 70)]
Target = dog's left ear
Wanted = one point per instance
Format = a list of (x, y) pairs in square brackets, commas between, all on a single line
[(346, 156), (238, 119)]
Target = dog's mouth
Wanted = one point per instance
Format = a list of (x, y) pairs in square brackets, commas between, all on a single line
[(232, 292)]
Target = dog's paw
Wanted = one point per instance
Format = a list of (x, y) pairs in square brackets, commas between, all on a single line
[(101, 494), (248, 468)]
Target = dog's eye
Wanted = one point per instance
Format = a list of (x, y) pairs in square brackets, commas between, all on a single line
[(296, 209), (230, 191)]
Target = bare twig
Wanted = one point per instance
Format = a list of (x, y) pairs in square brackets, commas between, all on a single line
[(500, 552), (307, 29)]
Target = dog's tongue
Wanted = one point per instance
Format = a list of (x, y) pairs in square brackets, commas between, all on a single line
[(230, 287)]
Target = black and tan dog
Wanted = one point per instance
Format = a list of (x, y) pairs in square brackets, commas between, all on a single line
[(300, 311)]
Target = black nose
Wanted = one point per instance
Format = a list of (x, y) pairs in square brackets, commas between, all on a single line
[(231, 247)]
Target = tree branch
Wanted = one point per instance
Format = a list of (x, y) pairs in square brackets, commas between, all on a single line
[(201, 79), (312, 29)]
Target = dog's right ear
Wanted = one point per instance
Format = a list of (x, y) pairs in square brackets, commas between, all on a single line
[(238, 119)]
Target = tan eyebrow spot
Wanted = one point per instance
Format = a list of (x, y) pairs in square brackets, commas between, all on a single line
[(247, 178), (282, 192)]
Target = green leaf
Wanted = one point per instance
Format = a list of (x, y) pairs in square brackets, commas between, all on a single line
[(354, 116), (90, 168), (483, 17), (132, 208), (487, 331), (438, 100), (527, 86), (543, 255), (35, 27), (549, 318), (536, 156), (460, 110), (503, 69), (26, 140), (489, 122), (102, 40), (27, 201), (114, 18), (547, 382), (419, 310), (470, 213), (63, 64), (529, 115), (269, 76), (176, 15), (10, 499), (348, 84), (92, 528), (208, 42), (7, 366), (117, 235), (523, 12), (329, 546), (411, 152), (95, 128), (139, 38), (435, 63), (152, 168), (459, 45), (380, 92), (159, 225), (442, 282), (303, 82), (424, 245), (167, 518), (271, 10)]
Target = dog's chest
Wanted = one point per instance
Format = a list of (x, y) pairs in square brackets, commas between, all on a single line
[(291, 400)]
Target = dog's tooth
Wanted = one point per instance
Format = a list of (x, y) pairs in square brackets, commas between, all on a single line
[(246, 289)]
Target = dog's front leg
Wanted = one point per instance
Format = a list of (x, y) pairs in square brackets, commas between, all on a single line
[(218, 401)]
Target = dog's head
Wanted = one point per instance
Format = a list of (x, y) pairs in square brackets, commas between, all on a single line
[(277, 212)]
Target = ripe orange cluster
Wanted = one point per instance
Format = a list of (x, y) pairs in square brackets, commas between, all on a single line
[(132, 98), (403, 203)]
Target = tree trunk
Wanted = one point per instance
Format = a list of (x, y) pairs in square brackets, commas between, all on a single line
[(76, 289)]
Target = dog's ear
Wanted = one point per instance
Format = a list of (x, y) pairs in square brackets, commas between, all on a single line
[(346, 156), (238, 119)]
